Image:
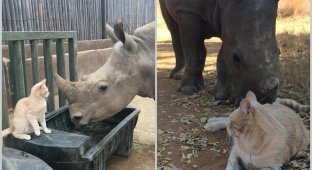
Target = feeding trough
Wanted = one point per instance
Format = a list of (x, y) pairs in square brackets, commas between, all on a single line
[(86, 148), (16, 159)]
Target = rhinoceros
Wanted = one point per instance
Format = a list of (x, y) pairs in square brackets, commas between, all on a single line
[(129, 71), (249, 53)]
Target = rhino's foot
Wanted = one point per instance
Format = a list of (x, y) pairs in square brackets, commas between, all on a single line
[(190, 87), (177, 74)]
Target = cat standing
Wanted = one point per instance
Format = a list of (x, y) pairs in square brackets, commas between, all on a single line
[(265, 136), (28, 112)]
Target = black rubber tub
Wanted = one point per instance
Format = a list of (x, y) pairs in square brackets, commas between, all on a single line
[(13, 159), (86, 148)]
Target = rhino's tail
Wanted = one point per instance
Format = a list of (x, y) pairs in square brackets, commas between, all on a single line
[(293, 105), (7, 131)]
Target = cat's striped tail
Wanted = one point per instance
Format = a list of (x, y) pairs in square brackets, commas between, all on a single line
[(7, 131), (293, 105)]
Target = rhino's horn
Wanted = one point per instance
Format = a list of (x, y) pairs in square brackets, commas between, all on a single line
[(66, 87), (110, 32), (126, 39)]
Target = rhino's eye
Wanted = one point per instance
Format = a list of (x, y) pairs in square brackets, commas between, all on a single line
[(101, 87), (236, 57)]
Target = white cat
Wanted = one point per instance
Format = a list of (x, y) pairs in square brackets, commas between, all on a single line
[(28, 112)]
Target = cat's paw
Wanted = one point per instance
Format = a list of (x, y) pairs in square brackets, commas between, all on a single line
[(37, 133), (40, 128), (212, 127), (47, 130), (27, 137), (216, 119)]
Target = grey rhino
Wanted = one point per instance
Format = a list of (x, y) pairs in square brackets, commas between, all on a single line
[(129, 71), (249, 53)]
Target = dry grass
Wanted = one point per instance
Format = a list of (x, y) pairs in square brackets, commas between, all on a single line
[(288, 8), (294, 65)]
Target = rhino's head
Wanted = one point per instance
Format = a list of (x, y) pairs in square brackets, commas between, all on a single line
[(249, 47), (109, 89)]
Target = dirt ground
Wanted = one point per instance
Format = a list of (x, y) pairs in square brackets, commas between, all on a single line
[(182, 144)]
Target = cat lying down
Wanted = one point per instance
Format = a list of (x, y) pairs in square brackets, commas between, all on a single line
[(28, 112), (264, 136)]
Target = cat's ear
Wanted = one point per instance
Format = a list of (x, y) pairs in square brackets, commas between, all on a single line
[(245, 106), (251, 96), (42, 83)]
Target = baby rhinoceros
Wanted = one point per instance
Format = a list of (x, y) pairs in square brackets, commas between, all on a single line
[(129, 71)]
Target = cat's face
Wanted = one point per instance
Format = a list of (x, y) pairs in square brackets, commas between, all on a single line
[(243, 117), (41, 89)]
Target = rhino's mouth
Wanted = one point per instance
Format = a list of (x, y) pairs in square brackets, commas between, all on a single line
[(80, 119), (263, 99)]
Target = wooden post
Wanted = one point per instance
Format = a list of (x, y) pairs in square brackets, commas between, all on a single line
[(5, 113), (103, 19), (49, 73), (60, 67), (72, 49), (34, 61), (24, 67), (16, 70)]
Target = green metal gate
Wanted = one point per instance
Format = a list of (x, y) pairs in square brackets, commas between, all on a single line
[(18, 68)]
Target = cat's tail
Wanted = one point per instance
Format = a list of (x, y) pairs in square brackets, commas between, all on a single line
[(293, 105), (7, 131)]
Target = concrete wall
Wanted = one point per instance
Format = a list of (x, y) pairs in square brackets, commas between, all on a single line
[(89, 60)]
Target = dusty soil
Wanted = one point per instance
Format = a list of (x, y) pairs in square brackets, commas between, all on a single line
[(142, 158), (182, 144)]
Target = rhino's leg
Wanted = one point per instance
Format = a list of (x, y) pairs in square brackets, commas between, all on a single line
[(192, 34), (177, 72), (173, 27), (222, 89)]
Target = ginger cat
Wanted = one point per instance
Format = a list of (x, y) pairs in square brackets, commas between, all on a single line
[(28, 112), (264, 136)]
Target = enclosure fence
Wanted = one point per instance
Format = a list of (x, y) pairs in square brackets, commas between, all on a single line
[(87, 17), (18, 67)]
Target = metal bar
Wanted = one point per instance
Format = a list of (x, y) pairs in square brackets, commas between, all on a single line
[(72, 49), (36, 35), (5, 113), (60, 67), (24, 67), (16, 69), (34, 61), (103, 11), (49, 73)]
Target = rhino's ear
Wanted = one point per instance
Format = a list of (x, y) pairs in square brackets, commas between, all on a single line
[(110, 32), (126, 39)]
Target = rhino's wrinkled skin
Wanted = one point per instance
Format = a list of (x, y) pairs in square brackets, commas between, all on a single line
[(129, 71), (248, 57)]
